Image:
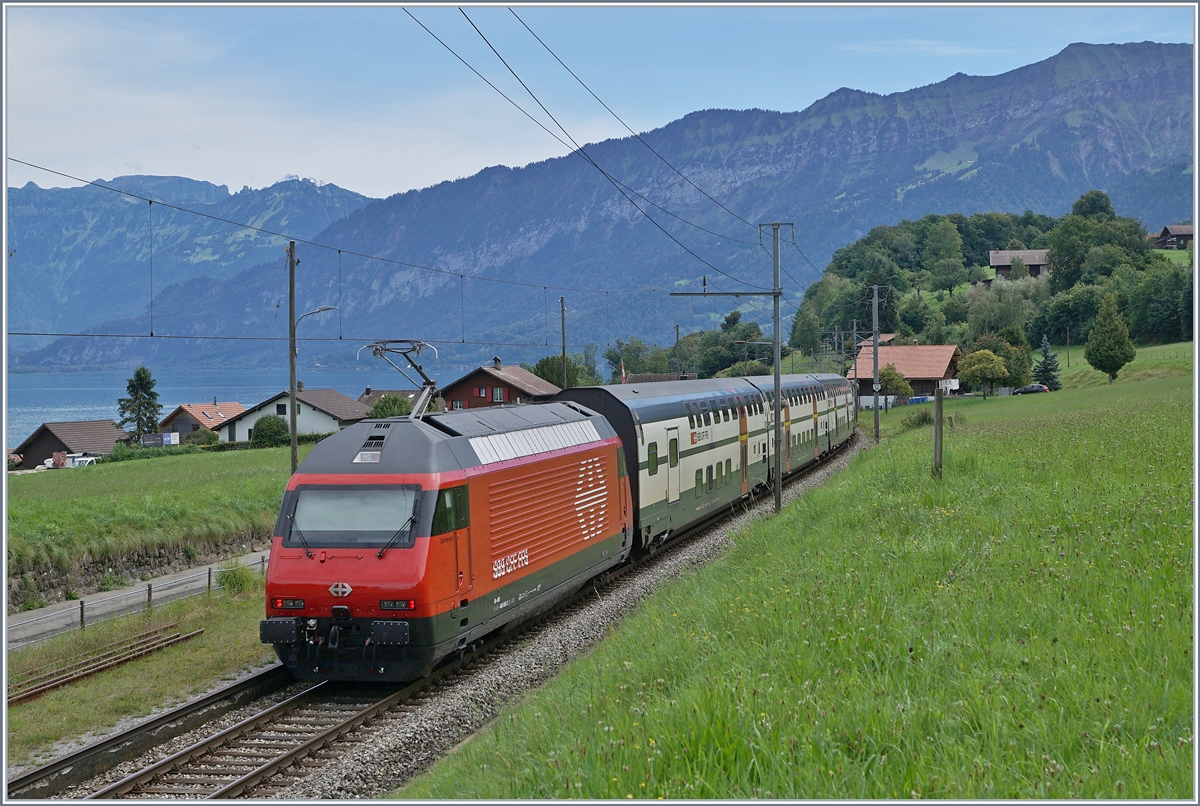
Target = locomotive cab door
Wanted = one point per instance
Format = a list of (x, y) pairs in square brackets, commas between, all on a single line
[(673, 466), (462, 557)]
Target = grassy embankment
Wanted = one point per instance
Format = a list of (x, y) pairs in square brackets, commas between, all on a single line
[(1021, 629), (57, 517), (229, 644)]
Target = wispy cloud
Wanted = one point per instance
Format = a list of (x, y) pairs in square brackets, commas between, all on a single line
[(917, 47)]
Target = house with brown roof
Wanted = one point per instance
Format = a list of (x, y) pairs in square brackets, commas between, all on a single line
[(497, 385), (659, 377), (924, 366), (1174, 236), (190, 417), (1002, 259), (89, 437), (318, 411), (884, 338), (372, 396)]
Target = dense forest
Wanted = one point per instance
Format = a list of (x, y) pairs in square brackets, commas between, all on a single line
[(937, 288)]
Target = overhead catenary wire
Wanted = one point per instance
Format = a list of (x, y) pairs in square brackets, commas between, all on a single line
[(627, 127), (577, 150), (320, 245)]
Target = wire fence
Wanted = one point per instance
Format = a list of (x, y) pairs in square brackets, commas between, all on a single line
[(66, 619)]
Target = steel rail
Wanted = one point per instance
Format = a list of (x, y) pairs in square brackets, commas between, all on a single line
[(100, 653), (110, 663), (96, 759)]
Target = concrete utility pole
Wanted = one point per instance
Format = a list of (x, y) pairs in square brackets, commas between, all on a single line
[(875, 374), (777, 292), (291, 253), (678, 360), (562, 309)]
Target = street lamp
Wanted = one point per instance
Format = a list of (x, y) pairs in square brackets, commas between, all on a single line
[(292, 374)]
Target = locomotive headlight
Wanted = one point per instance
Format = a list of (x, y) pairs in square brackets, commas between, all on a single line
[(288, 604), (398, 604), (312, 623)]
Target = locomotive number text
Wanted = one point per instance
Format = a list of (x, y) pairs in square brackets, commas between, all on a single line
[(512, 562)]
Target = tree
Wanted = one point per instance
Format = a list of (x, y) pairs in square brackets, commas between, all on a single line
[(389, 406), (141, 409), (1019, 270), (891, 382), (550, 370), (980, 367), (1045, 371), (201, 436), (806, 330), (1094, 204), (1108, 346), (731, 321), (269, 432)]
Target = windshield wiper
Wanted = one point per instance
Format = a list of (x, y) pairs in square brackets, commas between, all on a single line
[(298, 533), (395, 538)]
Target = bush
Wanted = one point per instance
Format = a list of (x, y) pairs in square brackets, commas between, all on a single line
[(111, 581), (202, 436), (221, 447), (14, 461), (237, 578), (269, 432), (123, 452), (917, 419)]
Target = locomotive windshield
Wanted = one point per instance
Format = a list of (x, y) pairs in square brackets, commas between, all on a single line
[(352, 516)]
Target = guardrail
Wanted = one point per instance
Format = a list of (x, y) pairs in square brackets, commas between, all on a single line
[(35, 630)]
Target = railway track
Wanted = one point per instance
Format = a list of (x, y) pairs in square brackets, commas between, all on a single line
[(271, 749)]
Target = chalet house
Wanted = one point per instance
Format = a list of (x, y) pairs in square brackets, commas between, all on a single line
[(1002, 259), (1174, 236), (90, 438), (884, 338), (318, 411), (372, 396), (496, 385), (191, 417), (925, 367)]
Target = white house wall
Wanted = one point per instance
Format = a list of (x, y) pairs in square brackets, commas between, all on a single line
[(308, 421)]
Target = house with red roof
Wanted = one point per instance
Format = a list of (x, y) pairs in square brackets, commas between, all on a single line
[(497, 385), (190, 417), (924, 366)]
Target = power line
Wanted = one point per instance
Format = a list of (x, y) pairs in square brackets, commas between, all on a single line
[(184, 337), (578, 151), (626, 125), (319, 245)]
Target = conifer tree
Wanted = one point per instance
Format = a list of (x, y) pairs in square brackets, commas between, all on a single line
[(1046, 370), (1108, 346), (141, 409)]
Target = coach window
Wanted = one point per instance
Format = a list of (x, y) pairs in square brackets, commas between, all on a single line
[(708, 478), (728, 469), (652, 458), (707, 419), (673, 452), (699, 483)]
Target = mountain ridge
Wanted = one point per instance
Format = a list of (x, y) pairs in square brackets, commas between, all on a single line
[(1115, 118)]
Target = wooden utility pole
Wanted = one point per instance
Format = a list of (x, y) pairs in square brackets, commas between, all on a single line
[(875, 373), (291, 253), (562, 310), (937, 433)]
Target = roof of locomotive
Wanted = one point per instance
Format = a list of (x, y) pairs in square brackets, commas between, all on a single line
[(455, 440)]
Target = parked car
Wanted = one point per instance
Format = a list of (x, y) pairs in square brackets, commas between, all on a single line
[(1031, 389)]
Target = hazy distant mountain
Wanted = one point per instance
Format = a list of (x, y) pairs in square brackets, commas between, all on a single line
[(81, 256), (1112, 117)]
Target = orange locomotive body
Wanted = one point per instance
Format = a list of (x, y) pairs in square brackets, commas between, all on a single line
[(402, 541)]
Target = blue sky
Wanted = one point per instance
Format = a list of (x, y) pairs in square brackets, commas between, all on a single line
[(366, 99)]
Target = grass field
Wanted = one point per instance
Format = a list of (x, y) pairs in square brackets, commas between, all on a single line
[(1162, 361), (108, 509), (1021, 629), (229, 644)]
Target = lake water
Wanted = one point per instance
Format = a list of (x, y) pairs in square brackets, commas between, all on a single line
[(36, 398)]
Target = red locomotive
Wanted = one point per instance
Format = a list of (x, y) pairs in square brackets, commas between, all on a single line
[(401, 541)]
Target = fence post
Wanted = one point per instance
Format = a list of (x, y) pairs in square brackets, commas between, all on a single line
[(82, 623), (149, 596), (210, 579), (262, 565)]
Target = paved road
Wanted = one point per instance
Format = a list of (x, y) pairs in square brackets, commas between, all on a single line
[(35, 625)]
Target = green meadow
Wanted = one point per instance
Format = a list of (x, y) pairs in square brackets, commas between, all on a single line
[(58, 517), (1020, 629)]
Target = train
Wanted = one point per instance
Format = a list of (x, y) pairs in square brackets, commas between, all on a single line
[(403, 541)]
